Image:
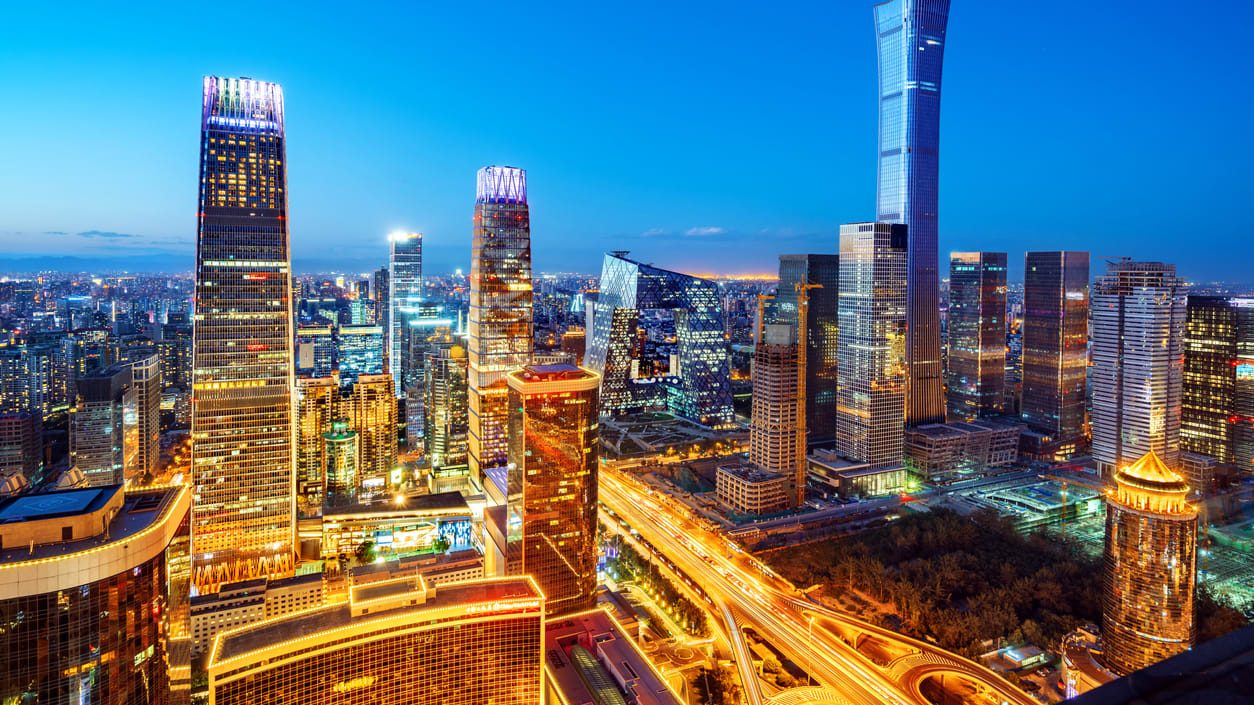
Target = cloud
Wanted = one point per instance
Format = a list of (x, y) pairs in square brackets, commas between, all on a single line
[(655, 232), (108, 234), (705, 231)]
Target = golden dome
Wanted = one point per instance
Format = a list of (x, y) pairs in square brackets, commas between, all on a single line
[(1151, 485)]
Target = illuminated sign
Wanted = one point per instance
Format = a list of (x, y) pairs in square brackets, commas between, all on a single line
[(1245, 371), (503, 606)]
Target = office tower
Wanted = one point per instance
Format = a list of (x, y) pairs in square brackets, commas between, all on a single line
[(404, 296), (242, 455), (976, 375), (445, 389), (553, 460), (146, 385), (21, 447), (777, 433), (343, 461), (1217, 416), (823, 273), (359, 351), (97, 431), (20, 370), (84, 351), (870, 395), (575, 342), (463, 643), (700, 389), (175, 349), (1137, 348), (911, 48), (380, 289), (1150, 566), (424, 327), (500, 308), (317, 404), (94, 595), (315, 351), (370, 408), (1055, 346)]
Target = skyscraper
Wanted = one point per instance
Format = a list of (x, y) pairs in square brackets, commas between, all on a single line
[(500, 339), (146, 384), (700, 389), (315, 351), (821, 334), (911, 50), (976, 375), (97, 428), (343, 461), (242, 456), (870, 396), (404, 296), (1217, 417), (371, 411), (1138, 319), (317, 405), (1055, 345), (776, 433), (358, 351), (553, 459), (1150, 566), (445, 389)]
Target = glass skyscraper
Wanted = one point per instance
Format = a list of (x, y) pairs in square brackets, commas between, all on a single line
[(976, 375), (870, 396), (701, 390), (404, 296), (1055, 345), (242, 456), (1217, 417), (358, 351), (911, 49), (500, 339), (821, 333)]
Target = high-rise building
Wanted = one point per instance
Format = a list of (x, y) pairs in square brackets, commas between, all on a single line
[(93, 594), (460, 643), (97, 428), (700, 388), (359, 351), (823, 273), (146, 385), (1138, 316), (404, 297), (500, 338), (911, 49), (976, 373), (21, 447), (242, 455), (1150, 566), (317, 405), (777, 435), (1217, 417), (343, 459), (425, 327), (445, 389), (870, 398), (315, 351), (1055, 344), (553, 460), (371, 411)]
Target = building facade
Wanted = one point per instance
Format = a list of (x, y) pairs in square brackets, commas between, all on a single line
[(553, 461), (146, 385), (940, 454), (871, 393), (500, 339), (371, 411), (1150, 566), (1055, 345), (975, 375), (1217, 411), (21, 447), (777, 433), (911, 49), (243, 521), (97, 425), (404, 297), (359, 351), (445, 439), (749, 489), (1138, 318), (823, 273)]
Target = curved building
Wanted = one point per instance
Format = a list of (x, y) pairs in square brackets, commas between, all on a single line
[(910, 38), (93, 596), (1150, 566)]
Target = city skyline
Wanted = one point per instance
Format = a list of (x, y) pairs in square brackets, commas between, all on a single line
[(695, 170)]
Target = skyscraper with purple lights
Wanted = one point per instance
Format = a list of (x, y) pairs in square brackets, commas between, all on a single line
[(911, 42), (243, 522)]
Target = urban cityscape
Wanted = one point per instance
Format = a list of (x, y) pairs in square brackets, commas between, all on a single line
[(858, 469)]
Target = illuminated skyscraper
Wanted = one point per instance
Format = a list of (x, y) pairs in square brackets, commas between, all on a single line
[(343, 460), (976, 375), (777, 435), (500, 338), (1137, 326), (404, 296), (317, 405), (358, 351), (911, 50), (870, 398), (146, 385), (370, 408), (553, 459), (1217, 417), (821, 334), (445, 389), (315, 351), (1150, 566), (701, 387), (97, 428), (242, 456), (1055, 345)]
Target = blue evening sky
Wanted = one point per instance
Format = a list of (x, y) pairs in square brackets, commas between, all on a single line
[(703, 137)]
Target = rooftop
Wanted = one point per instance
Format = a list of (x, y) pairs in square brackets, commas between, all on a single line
[(436, 502), (589, 652), (750, 473), (135, 512), (55, 504)]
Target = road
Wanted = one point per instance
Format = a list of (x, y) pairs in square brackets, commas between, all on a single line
[(805, 632)]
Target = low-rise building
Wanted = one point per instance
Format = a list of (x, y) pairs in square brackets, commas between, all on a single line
[(590, 659), (412, 524), (452, 567), (944, 453), (850, 479), (751, 490), (247, 602)]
